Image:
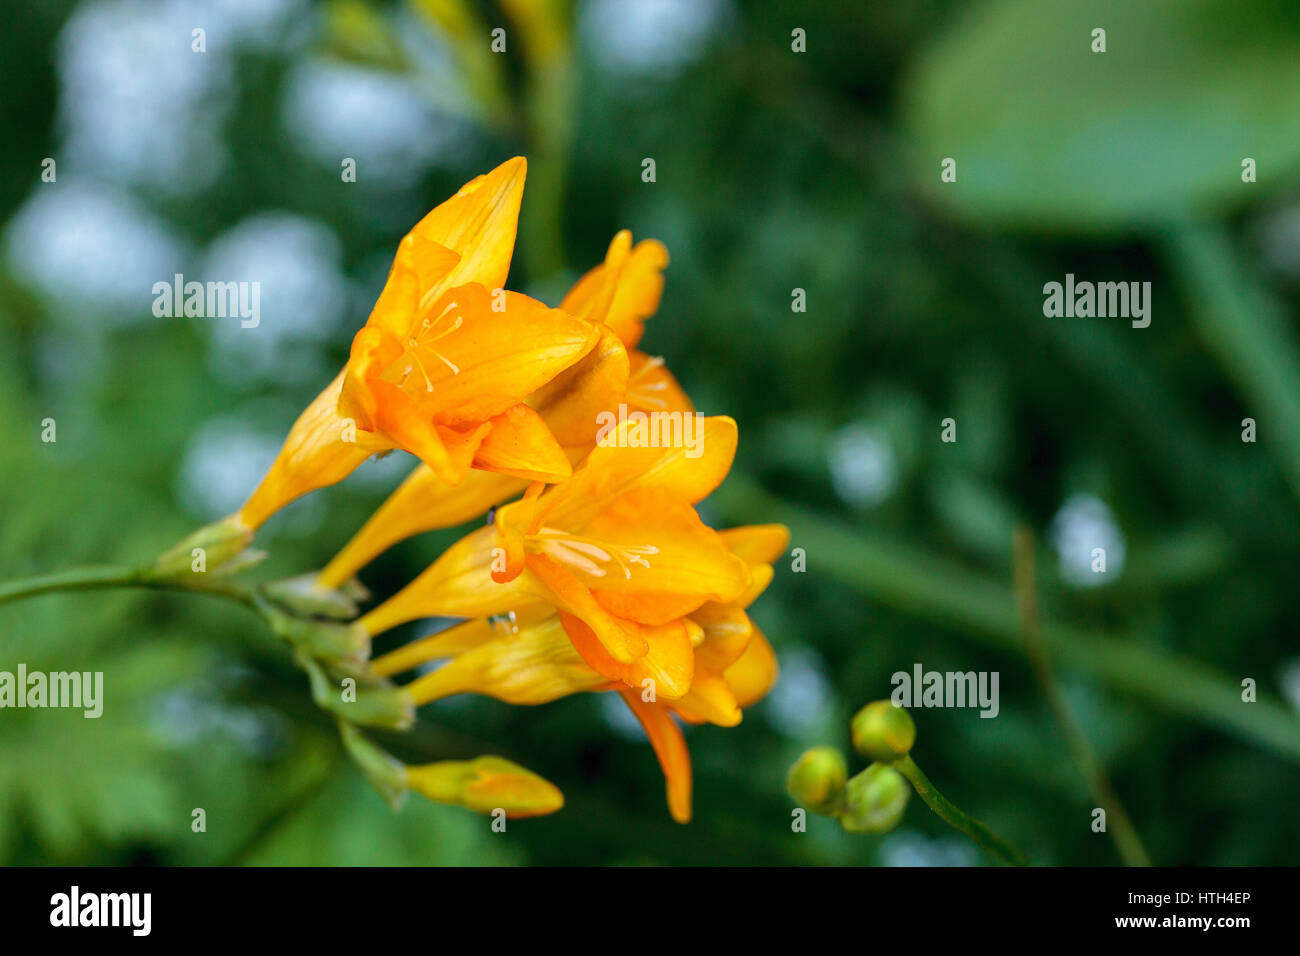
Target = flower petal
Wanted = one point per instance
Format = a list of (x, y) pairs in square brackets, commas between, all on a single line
[(668, 664), (315, 454), (613, 469), (521, 445), (753, 675), (424, 502), (621, 639), (639, 289), (572, 401), (625, 289), (477, 225), (652, 388), (533, 665), (670, 747), (485, 360), (757, 543), (669, 551), (458, 584)]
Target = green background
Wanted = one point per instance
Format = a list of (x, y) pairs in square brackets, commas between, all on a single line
[(776, 170)]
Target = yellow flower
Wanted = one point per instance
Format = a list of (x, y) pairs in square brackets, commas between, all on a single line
[(618, 549), (620, 294), (444, 362), (529, 658)]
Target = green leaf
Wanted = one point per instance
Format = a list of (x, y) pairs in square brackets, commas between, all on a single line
[(1049, 135)]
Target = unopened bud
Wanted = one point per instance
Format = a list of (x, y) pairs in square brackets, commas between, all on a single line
[(486, 784), (874, 800), (305, 596), (219, 544), (326, 640), (883, 731), (358, 698), (816, 780)]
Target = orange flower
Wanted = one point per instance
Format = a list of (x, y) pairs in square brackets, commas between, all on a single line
[(618, 549), (620, 293), (444, 362), (528, 658)]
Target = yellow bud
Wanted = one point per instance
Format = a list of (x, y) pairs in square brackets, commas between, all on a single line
[(816, 780), (874, 800), (486, 784), (883, 731)]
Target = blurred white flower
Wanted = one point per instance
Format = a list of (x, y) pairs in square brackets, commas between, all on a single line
[(93, 251), (863, 467), (799, 704), (336, 111), (303, 298), (1083, 524), (645, 36)]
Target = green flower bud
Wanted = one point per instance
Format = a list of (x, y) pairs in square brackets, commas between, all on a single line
[(358, 698), (326, 640), (874, 800), (213, 548), (883, 731), (816, 780), (305, 596)]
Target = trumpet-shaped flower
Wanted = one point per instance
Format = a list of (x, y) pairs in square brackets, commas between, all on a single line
[(444, 363), (528, 657), (618, 294), (618, 549)]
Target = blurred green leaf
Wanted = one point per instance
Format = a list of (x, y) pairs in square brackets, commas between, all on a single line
[(1050, 135)]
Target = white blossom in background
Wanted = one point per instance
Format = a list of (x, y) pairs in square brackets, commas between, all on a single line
[(863, 466), (224, 462), (908, 848), (1083, 524), (336, 110), (1290, 680), (93, 252), (651, 36), (303, 299), (800, 703), (137, 103)]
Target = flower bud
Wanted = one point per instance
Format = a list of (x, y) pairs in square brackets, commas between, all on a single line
[(486, 784), (816, 780), (305, 596), (883, 731), (204, 551), (874, 800), (366, 700), (325, 640)]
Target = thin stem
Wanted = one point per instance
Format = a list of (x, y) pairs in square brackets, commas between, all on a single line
[(1121, 827), (91, 578), (955, 818)]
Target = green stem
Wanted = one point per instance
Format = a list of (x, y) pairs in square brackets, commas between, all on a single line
[(1122, 830), (955, 818), (93, 578)]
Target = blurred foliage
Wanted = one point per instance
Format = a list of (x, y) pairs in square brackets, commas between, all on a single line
[(775, 171)]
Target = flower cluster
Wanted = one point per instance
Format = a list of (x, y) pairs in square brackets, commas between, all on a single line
[(594, 572)]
